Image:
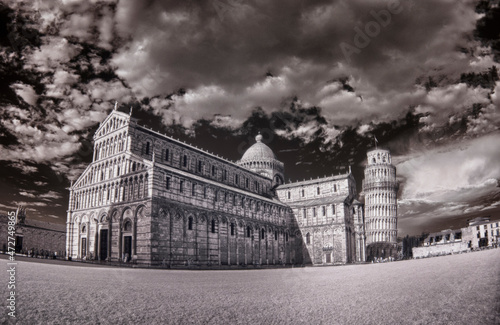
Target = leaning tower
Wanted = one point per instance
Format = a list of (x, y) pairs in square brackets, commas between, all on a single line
[(380, 191)]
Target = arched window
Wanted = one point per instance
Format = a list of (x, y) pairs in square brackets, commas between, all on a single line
[(314, 212), (318, 191), (147, 148), (84, 229), (275, 235), (213, 226), (133, 167), (308, 238), (303, 193), (333, 208), (232, 229), (289, 195), (286, 236), (262, 233), (181, 186), (324, 210), (190, 223), (248, 231), (184, 161), (167, 154), (127, 226), (304, 213)]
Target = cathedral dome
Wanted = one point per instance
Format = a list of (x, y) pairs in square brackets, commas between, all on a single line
[(258, 151)]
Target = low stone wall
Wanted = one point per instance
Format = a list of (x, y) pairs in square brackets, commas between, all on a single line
[(440, 249), (35, 239)]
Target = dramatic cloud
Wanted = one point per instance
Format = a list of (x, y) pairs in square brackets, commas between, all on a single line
[(450, 181), (202, 48)]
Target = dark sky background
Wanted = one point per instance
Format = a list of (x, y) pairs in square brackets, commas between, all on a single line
[(319, 79)]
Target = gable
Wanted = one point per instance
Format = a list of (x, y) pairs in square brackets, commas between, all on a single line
[(84, 179), (114, 121)]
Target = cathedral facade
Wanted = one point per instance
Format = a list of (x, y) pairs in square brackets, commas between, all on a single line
[(152, 200)]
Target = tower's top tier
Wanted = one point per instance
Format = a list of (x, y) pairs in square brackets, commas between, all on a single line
[(379, 156)]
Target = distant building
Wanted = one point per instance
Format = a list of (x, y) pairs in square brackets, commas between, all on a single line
[(486, 232), (380, 189), (480, 232), (33, 235)]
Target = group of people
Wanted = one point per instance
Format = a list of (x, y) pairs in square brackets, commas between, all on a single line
[(383, 260), (42, 253)]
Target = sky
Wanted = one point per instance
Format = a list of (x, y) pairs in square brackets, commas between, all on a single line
[(319, 79)]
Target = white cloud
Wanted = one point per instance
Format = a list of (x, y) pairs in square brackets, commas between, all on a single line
[(26, 92), (79, 26), (62, 77), (25, 169), (460, 167), (105, 27), (53, 52), (30, 204), (27, 194)]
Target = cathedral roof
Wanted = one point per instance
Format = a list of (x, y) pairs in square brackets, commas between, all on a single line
[(318, 201), (259, 151), (314, 181)]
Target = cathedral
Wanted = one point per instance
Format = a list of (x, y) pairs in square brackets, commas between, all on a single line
[(149, 199)]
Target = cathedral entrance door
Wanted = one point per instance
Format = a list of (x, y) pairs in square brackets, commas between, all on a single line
[(103, 242), (328, 257), (19, 244), (84, 247), (127, 248)]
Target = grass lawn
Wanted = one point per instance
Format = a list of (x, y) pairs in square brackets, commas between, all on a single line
[(455, 289)]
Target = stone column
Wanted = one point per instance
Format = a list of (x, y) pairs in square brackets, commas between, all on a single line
[(196, 249), (237, 244), (69, 235), (218, 241)]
